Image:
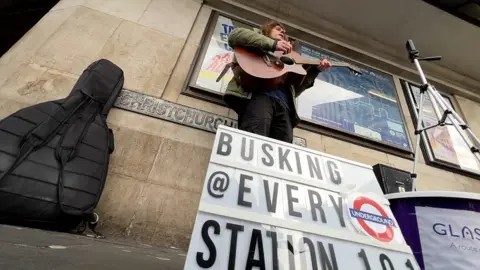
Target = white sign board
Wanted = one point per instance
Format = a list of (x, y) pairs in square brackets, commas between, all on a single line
[(450, 239), (271, 205)]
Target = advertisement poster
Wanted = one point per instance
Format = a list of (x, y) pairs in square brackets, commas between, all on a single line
[(365, 105), (218, 54), (445, 142), (450, 239)]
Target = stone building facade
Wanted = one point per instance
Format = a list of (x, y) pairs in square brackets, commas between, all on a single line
[(158, 167)]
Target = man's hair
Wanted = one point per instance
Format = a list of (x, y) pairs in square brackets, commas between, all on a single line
[(267, 27)]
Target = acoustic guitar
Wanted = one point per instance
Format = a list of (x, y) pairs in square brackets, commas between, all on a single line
[(267, 70)]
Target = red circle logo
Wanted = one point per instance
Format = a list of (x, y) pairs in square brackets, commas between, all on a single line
[(362, 217)]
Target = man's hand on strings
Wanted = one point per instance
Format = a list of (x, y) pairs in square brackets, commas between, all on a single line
[(283, 46), (324, 65)]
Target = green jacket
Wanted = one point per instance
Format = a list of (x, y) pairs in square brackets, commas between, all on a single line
[(235, 94)]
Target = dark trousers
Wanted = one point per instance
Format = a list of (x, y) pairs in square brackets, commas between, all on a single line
[(268, 117)]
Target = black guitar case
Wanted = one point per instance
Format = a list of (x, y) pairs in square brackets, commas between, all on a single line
[(54, 155)]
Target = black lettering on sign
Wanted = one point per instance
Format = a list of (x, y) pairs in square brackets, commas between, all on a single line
[(384, 258), (209, 243), (338, 205), (313, 254), (273, 235), (282, 159), (409, 265), (324, 260), (451, 232), (254, 242), (334, 171), (299, 164), (224, 140), (363, 255), (291, 258), (242, 189), (245, 156), (267, 162), (233, 244), (316, 204), (271, 200), (291, 200), (466, 231), (314, 167)]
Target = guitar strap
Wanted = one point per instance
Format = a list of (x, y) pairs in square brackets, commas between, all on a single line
[(231, 65)]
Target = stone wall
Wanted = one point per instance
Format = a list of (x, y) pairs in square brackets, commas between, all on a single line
[(157, 169)]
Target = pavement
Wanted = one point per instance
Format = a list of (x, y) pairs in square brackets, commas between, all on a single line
[(26, 248)]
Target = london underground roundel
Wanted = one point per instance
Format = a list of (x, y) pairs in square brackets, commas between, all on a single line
[(371, 218)]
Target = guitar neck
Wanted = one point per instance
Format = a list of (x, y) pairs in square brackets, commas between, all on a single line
[(316, 62)]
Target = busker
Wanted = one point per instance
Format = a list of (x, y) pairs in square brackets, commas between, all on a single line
[(271, 113)]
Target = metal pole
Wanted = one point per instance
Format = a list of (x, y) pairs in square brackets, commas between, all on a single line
[(420, 71), (419, 137), (448, 112)]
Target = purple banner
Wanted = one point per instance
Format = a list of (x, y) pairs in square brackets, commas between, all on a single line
[(435, 223)]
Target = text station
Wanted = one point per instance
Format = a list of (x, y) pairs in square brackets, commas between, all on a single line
[(226, 243)]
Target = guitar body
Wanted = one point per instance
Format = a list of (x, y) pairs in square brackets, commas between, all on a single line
[(255, 65), (265, 70), (262, 72)]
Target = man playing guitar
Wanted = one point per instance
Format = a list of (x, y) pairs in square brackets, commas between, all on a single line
[(269, 113)]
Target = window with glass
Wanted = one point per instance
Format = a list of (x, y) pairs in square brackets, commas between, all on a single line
[(365, 105), (442, 145)]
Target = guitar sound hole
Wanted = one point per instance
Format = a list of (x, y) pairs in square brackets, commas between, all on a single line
[(287, 60)]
